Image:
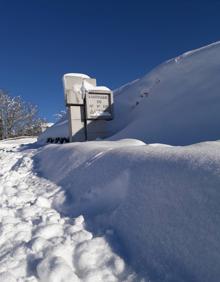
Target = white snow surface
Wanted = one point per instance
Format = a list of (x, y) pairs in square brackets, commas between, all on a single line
[(38, 243), (82, 75), (88, 86), (161, 201), (176, 103), (110, 211)]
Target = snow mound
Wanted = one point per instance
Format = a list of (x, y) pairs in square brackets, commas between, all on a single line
[(161, 201), (176, 103)]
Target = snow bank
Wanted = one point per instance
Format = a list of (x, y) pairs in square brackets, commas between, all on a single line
[(37, 243), (59, 129), (176, 103), (162, 201)]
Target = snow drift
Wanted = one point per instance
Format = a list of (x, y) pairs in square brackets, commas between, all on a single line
[(176, 103), (162, 201)]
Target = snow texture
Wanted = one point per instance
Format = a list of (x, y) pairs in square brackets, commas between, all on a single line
[(176, 103), (161, 201), (81, 75), (37, 243)]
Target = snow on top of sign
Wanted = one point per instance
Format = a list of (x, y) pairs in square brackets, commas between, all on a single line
[(76, 75), (89, 86), (100, 88)]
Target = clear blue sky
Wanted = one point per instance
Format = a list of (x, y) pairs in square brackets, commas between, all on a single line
[(115, 41)]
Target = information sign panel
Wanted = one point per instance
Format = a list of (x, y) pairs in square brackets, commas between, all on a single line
[(98, 106)]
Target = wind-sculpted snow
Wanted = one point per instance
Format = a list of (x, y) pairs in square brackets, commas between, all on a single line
[(37, 243), (162, 202), (176, 103)]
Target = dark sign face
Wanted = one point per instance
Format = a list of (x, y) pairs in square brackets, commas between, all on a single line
[(98, 106)]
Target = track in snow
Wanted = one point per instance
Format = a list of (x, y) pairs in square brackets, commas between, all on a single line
[(36, 242)]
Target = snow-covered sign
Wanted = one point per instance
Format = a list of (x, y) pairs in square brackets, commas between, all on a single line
[(98, 105), (89, 107), (74, 87)]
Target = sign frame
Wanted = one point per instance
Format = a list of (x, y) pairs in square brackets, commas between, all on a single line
[(110, 108)]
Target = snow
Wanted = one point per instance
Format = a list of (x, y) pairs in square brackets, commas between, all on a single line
[(109, 211), (77, 75), (59, 129), (39, 243), (90, 87), (176, 103), (161, 201)]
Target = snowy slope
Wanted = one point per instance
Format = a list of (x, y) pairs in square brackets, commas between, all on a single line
[(161, 201), (59, 129), (176, 103)]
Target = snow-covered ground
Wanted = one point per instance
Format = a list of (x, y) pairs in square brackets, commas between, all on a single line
[(109, 211), (161, 201), (38, 243)]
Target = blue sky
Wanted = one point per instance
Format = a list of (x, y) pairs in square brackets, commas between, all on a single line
[(115, 41)]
